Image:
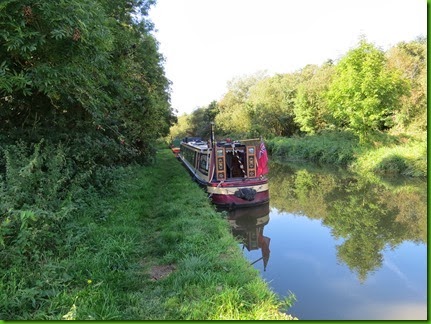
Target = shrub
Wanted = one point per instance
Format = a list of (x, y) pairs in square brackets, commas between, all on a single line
[(34, 199), (393, 164)]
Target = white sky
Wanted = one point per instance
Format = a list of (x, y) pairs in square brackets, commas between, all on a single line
[(207, 43)]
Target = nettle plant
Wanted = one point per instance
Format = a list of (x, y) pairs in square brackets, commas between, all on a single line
[(34, 198)]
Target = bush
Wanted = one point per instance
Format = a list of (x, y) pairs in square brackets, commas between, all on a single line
[(393, 164), (408, 159), (42, 188), (33, 198)]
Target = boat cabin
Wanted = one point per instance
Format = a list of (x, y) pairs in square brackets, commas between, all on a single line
[(232, 159)]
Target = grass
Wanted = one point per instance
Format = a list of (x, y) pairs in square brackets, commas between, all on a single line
[(155, 249), (337, 148), (409, 159)]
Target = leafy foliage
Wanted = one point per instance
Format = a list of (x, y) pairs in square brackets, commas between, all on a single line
[(364, 94), (411, 60), (271, 102), (331, 147), (181, 128), (233, 117), (201, 119), (82, 63), (82, 90), (311, 109)]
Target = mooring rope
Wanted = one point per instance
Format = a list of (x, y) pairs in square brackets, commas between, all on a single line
[(218, 186)]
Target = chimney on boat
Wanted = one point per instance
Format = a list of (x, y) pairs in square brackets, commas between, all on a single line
[(212, 140)]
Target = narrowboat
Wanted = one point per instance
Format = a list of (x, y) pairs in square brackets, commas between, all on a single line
[(233, 172), (175, 146)]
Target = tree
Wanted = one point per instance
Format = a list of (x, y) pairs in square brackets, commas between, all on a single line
[(311, 108), (200, 123), (365, 93), (271, 106), (273, 102), (181, 128), (53, 59), (411, 60), (233, 117), (87, 64)]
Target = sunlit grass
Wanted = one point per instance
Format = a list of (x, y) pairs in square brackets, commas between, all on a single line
[(408, 159), (337, 148)]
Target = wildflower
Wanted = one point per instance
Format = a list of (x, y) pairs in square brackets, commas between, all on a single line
[(71, 315)]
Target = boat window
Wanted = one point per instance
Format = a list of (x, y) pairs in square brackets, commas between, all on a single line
[(189, 155), (203, 164)]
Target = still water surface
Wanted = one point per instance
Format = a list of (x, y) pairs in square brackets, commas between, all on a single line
[(348, 248)]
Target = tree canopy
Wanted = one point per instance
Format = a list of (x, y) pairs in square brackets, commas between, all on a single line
[(87, 64), (366, 91)]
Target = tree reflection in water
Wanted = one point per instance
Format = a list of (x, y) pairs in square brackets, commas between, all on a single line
[(369, 215)]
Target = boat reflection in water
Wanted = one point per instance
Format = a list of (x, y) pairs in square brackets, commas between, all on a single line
[(247, 224)]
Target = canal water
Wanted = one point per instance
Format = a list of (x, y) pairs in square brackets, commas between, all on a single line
[(348, 248)]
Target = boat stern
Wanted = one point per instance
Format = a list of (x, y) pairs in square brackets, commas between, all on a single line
[(239, 195)]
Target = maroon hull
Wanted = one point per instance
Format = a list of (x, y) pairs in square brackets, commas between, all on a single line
[(234, 201)]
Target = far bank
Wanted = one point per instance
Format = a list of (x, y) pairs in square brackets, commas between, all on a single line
[(381, 155)]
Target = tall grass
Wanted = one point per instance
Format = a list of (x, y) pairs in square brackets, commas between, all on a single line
[(336, 148), (405, 159)]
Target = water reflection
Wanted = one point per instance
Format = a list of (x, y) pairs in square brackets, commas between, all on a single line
[(247, 225), (365, 214)]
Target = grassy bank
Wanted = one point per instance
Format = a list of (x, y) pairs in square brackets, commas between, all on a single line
[(152, 249), (382, 154)]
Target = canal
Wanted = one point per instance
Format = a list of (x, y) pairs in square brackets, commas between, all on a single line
[(347, 247)]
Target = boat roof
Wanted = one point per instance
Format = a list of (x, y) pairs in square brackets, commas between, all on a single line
[(198, 143)]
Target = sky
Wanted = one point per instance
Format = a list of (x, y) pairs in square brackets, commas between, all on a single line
[(207, 43)]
